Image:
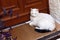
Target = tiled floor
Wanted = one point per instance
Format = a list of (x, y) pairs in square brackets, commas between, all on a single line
[(26, 32)]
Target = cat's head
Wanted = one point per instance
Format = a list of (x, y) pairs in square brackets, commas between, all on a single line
[(34, 12)]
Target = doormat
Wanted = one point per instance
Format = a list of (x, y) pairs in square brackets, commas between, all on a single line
[(52, 36)]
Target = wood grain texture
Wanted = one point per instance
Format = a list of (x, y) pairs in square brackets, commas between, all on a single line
[(26, 32)]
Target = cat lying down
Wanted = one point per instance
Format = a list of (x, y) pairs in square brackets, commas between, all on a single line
[(43, 22)]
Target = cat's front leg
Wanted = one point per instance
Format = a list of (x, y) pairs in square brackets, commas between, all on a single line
[(37, 27), (31, 24), (28, 22)]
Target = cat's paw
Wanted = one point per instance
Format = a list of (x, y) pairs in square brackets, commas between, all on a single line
[(37, 27), (31, 23), (28, 22)]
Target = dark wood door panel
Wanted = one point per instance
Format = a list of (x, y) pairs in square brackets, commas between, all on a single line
[(39, 5), (0, 11), (16, 12), (31, 1), (15, 21), (45, 10), (9, 3)]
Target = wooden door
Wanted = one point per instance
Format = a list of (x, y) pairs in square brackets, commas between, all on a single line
[(40, 4), (11, 4), (17, 8)]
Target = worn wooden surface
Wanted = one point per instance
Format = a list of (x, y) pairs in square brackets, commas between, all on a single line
[(26, 32)]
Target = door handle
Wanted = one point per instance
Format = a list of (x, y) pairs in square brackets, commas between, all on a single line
[(4, 11)]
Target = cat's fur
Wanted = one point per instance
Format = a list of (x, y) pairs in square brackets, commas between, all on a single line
[(43, 22)]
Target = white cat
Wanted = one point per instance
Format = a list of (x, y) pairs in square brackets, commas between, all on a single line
[(43, 22)]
